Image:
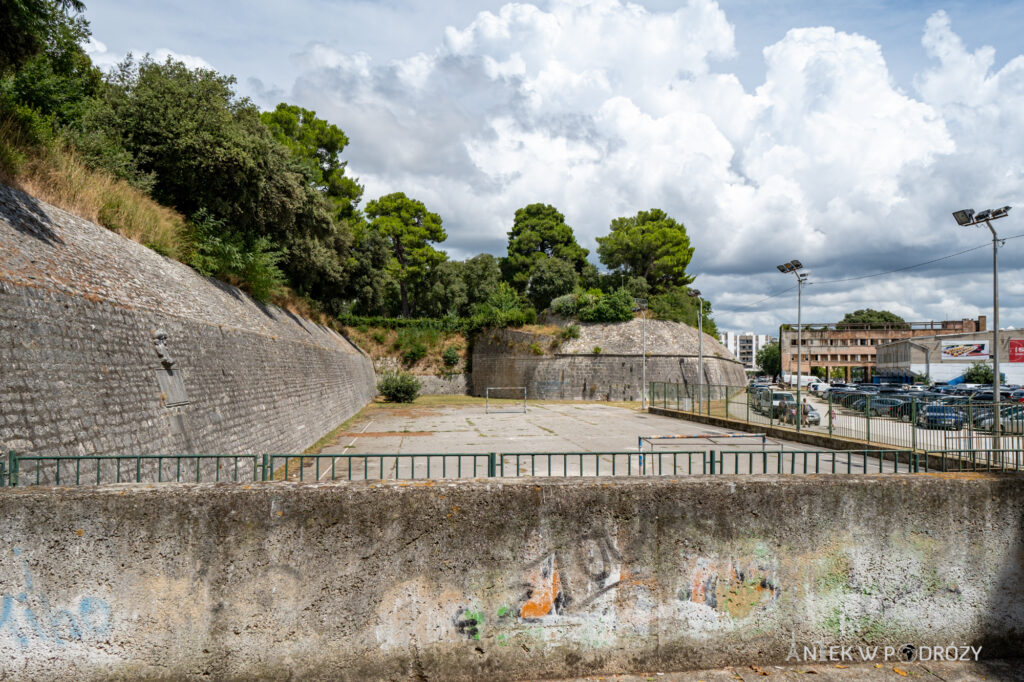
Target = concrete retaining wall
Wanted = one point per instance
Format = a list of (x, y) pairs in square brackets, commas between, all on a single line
[(552, 369), (501, 579), (107, 347)]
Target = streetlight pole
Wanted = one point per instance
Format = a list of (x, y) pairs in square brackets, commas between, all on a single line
[(700, 347), (641, 303), (795, 267), (967, 218)]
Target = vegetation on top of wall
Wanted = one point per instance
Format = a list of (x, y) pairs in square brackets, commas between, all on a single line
[(174, 158)]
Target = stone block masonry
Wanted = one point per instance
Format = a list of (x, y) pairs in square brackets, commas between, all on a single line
[(109, 348), (551, 369), (502, 579)]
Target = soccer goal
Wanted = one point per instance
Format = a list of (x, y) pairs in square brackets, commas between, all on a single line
[(702, 439), (498, 399)]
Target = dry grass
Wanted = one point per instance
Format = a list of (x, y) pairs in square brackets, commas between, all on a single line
[(381, 343), (57, 176)]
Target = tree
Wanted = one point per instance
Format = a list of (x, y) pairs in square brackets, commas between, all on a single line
[(677, 305), (28, 25), (539, 232), (651, 245), (185, 134), (481, 274), (443, 291), (316, 145), (410, 228), (981, 373), (874, 318), (552, 277), (56, 81), (769, 359)]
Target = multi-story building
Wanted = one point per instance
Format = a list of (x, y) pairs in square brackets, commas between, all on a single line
[(945, 358), (744, 347), (852, 347)]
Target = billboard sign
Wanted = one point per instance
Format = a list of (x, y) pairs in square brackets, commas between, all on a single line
[(965, 350), (1016, 350)]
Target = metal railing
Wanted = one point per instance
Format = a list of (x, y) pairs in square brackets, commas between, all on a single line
[(24, 470), (960, 426)]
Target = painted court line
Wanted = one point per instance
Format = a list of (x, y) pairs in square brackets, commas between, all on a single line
[(334, 460)]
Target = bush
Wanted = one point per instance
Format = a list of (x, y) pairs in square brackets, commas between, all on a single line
[(571, 332), (379, 336), (536, 349), (597, 350), (221, 253), (614, 307), (399, 387), (416, 352), (450, 356)]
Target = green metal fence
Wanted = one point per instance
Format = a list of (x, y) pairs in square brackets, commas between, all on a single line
[(22, 470), (963, 425)]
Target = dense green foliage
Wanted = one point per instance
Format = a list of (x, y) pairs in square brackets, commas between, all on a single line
[(539, 234), (650, 245), (874, 318), (29, 26), (409, 229), (272, 207), (399, 387), (594, 305), (981, 373), (769, 359), (677, 305)]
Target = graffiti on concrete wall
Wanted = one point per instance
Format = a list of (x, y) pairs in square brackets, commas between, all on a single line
[(728, 586), (29, 618)]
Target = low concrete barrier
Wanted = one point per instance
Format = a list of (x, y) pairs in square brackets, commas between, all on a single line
[(502, 579)]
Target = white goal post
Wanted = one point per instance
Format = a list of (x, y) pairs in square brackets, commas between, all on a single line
[(516, 393)]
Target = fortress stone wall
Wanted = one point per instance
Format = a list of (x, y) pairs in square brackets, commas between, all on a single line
[(604, 363), (106, 347)]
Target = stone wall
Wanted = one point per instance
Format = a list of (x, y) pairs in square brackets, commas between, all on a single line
[(502, 579), (551, 368), (109, 348)]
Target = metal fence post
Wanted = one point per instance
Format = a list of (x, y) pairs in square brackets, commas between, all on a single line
[(12, 462), (771, 407), (266, 467), (913, 425), (490, 465), (867, 417), (712, 462)]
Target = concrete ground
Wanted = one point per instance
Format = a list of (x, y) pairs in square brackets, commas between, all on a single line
[(453, 441), (1002, 671)]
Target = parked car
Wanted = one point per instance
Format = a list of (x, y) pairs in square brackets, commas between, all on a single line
[(1011, 420), (940, 417), (879, 407)]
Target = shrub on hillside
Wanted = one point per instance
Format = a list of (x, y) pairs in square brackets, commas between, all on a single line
[(450, 356), (398, 387), (414, 353)]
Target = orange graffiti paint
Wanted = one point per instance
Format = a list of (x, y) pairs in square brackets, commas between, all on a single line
[(546, 587)]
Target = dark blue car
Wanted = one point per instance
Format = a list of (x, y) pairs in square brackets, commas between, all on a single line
[(940, 417)]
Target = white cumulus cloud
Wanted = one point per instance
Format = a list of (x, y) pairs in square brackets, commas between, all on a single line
[(604, 108)]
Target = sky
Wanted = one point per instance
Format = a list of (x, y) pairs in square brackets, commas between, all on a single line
[(841, 134)]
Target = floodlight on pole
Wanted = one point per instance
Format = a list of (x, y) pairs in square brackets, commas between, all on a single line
[(695, 293), (968, 218), (795, 267)]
